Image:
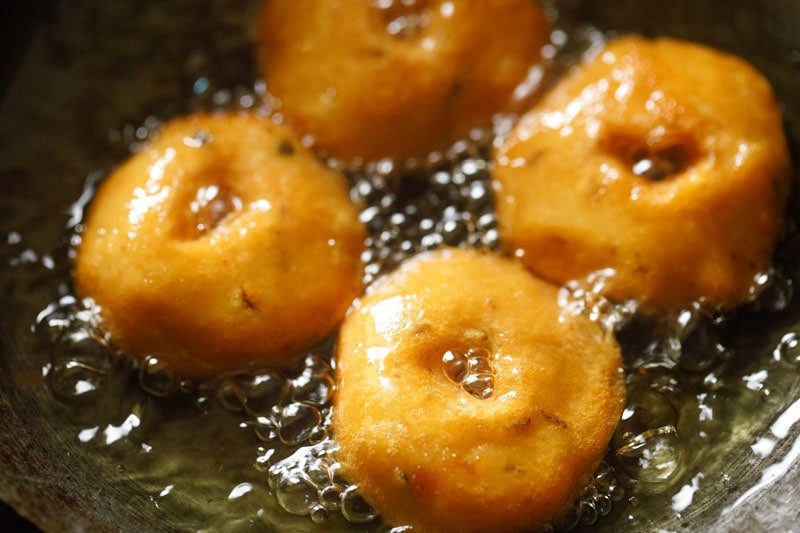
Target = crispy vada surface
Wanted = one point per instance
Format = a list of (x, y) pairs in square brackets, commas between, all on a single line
[(663, 160), (465, 403), (222, 244), (397, 79)]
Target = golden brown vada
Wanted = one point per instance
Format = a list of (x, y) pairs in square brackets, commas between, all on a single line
[(465, 402), (663, 160), (399, 79), (222, 244)]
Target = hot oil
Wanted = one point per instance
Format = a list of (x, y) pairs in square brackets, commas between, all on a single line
[(254, 450)]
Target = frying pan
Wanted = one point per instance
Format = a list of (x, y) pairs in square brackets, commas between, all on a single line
[(79, 77)]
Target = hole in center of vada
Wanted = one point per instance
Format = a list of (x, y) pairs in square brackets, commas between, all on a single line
[(404, 18), (656, 162), (210, 206), (470, 369)]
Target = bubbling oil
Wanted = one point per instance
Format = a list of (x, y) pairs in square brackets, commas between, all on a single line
[(692, 383), (447, 203), (471, 370)]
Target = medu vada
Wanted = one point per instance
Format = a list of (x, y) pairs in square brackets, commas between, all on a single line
[(222, 244), (663, 160), (465, 402), (396, 79)]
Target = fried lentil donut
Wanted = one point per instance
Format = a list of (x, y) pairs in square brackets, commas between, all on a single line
[(663, 160), (464, 403), (373, 79), (223, 243)]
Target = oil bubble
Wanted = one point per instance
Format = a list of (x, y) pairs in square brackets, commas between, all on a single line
[(604, 504), (318, 514), (471, 370), (319, 434), (774, 292), (480, 386), (693, 342), (596, 500), (478, 359), (304, 481), (585, 296), (82, 343), (354, 508), (788, 349), (56, 319), (157, 378), (646, 409), (315, 391), (262, 392), (653, 457), (296, 423), (588, 513), (295, 494), (73, 380), (330, 497), (454, 231), (456, 366), (230, 396), (265, 428)]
